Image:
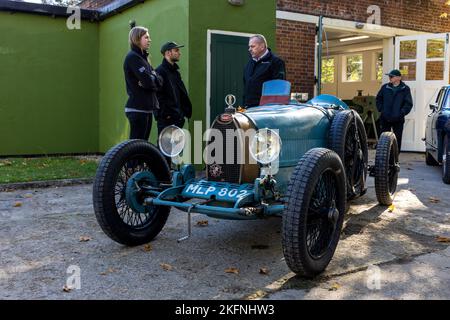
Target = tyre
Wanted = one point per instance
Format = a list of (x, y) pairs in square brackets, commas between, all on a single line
[(429, 160), (386, 168), (314, 212), (446, 161), (115, 212), (348, 139)]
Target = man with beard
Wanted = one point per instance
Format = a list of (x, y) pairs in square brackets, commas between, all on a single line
[(174, 102)]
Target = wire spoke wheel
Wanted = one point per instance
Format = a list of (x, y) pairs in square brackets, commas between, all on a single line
[(347, 137), (135, 219), (387, 168), (124, 175), (314, 212), (321, 220)]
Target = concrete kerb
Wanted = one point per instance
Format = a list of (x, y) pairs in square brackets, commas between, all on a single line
[(44, 184)]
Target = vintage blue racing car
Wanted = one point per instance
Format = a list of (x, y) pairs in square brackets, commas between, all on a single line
[(437, 133), (303, 162)]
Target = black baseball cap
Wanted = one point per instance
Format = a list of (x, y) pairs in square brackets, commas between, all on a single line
[(394, 73), (169, 46)]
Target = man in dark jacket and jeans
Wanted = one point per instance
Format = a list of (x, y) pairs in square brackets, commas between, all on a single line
[(394, 101), (263, 66), (174, 102)]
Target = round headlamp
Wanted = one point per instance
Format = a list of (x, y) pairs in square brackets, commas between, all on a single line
[(172, 141), (265, 146)]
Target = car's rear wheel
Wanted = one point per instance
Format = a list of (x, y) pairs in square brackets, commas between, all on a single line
[(387, 168), (315, 208), (118, 204), (446, 161), (348, 139)]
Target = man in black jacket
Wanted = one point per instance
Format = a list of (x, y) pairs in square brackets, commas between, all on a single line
[(263, 66), (174, 102), (394, 101)]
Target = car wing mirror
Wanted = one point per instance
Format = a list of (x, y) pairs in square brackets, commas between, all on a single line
[(433, 106)]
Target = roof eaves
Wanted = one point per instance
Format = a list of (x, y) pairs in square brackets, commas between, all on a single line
[(117, 7), (45, 9)]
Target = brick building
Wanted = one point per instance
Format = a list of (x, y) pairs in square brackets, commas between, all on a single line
[(362, 41)]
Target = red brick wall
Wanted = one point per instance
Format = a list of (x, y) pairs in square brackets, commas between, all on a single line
[(94, 4), (423, 15), (295, 44), (295, 40)]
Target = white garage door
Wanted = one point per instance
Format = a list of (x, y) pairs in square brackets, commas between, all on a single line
[(423, 61)]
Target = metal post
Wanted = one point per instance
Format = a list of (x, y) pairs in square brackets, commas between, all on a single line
[(319, 57)]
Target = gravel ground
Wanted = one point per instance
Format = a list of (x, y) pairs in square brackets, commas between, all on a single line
[(41, 251)]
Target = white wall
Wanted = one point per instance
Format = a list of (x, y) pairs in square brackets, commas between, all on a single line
[(369, 84)]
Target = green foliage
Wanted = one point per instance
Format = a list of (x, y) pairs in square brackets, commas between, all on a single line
[(328, 70), (355, 67), (379, 66)]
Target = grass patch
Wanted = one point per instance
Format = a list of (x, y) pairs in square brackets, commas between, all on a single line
[(48, 168)]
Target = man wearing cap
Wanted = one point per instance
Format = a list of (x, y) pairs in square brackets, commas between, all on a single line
[(174, 102), (394, 101)]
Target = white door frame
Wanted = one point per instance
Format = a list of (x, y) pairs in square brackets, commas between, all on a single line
[(208, 65), (422, 90)]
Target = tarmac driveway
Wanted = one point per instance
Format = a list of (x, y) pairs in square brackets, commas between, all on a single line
[(48, 236)]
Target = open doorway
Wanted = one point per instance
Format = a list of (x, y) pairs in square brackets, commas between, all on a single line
[(353, 68)]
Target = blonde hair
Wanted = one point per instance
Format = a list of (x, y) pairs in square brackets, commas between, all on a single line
[(135, 35)]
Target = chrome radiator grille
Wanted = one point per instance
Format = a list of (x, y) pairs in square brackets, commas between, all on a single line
[(225, 172)]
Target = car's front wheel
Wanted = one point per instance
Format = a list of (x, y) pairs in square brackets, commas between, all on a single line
[(119, 192), (314, 212), (387, 168)]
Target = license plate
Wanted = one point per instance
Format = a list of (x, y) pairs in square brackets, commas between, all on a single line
[(221, 192)]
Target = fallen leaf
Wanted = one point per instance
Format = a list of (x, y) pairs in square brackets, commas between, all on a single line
[(391, 208), (85, 238), (434, 200), (148, 247), (264, 270), (202, 223), (67, 288), (17, 204), (166, 266), (334, 287), (232, 270), (258, 294), (443, 239), (110, 270)]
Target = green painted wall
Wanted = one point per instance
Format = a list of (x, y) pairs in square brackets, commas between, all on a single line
[(166, 20), (48, 85), (256, 16), (63, 91)]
